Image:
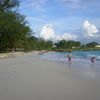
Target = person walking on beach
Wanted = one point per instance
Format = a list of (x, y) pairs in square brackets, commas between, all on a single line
[(69, 57)]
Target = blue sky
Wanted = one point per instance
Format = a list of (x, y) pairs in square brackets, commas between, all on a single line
[(63, 18)]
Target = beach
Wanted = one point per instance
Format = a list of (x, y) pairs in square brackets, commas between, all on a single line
[(28, 77)]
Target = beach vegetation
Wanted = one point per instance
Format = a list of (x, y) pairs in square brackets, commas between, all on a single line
[(92, 44), (15, 31), (67, 44)]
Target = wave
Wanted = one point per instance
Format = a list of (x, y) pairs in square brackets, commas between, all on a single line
[(78, 56), (93, 55)]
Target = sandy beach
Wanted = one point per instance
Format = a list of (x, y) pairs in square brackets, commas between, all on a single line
[(14, 54), (27, 77)]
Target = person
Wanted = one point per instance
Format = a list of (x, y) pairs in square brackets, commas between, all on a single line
[(69, 57), (92, 59)]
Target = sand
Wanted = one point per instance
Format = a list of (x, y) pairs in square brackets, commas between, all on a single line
[(14, 54), (27, 77), (10, 55)]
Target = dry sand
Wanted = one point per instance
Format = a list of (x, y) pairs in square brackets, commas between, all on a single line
[(30, 78), (10, 55), (14, 54)]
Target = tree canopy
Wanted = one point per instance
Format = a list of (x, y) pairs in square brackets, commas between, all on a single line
[(14, 30), (7, 5), (67, 44)]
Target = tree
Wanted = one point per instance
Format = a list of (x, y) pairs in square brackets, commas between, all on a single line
[(33, 42), (78, 44), (61, 44), (49, 44), (91, 45), (14, 30), (67, 44), (6, 5)]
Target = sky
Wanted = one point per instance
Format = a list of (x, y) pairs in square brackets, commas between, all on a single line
[(54, 20)]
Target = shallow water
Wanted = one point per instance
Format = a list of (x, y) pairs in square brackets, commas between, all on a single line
[(80, 61), (80, 56)]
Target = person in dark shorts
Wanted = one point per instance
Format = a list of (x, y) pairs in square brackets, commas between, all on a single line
[(69, 56)]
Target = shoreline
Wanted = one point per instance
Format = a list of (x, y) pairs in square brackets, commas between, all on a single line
[(15, 54)]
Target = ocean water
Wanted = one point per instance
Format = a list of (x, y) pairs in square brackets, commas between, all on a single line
[(81, 56), (80, 61)]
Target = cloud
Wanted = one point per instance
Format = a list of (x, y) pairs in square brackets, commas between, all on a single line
[(71, 1), (31, 19), (36, 5), (91, 33), (79, 3), (68, 36), (90, 29), (48, 33), (37, 1)]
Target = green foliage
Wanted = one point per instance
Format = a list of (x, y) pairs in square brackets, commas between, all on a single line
[(44, 45), (14, 31), (91, 45), (7, 5), (67, 44)]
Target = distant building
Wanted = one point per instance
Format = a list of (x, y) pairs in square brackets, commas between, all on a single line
[(74, 47), (54, 46), (97, 46)]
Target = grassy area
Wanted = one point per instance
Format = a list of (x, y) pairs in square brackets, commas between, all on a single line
[(85, 49)]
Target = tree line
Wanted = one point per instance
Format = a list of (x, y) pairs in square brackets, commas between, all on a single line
[(15, 32), (75, 45)]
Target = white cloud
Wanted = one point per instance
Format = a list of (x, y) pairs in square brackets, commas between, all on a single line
[(31, 19), (48, 33), (37, 4), (92, 34), (71, 1), (83, 4), (41, 1), (79, 1), (68, 36), (90, 29), (37, 1), (37, 7)]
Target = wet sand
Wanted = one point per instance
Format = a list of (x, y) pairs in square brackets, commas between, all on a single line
[(26, 77)]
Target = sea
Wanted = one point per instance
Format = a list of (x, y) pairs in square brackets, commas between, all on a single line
[(80, 61), (78, 56)]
